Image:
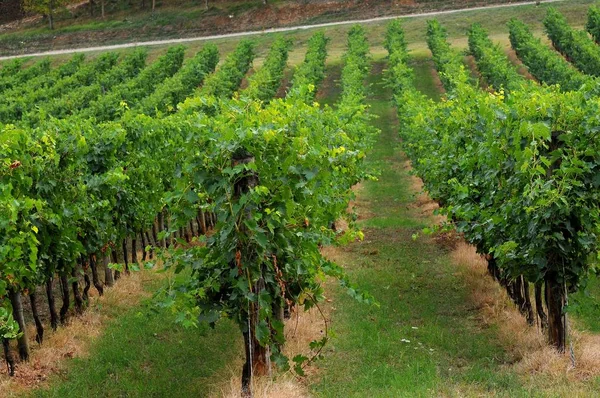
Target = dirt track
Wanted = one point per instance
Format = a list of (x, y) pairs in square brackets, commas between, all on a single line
[(260, 32)]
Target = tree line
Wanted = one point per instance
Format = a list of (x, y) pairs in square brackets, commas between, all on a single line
[(11, 10)]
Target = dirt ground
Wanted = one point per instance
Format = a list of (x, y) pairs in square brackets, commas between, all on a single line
[(217, 20)]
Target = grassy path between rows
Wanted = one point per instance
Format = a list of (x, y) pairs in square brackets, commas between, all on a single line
[(424, 339), (143, 353)]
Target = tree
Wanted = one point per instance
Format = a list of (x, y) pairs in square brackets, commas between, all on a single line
[(11, 10), (45, 7)]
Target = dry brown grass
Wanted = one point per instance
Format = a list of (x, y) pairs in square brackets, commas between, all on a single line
[(73, 340), (302, 328), (534, 359), (284, 386), (493, 304)]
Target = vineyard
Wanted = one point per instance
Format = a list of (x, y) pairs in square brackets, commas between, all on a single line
[(233, 180)]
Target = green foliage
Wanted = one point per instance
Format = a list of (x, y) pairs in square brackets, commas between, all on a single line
[(395, 40), (575, 45), (263, 85), (9, 329), (43, 7), (113, 103), (515, 174), (357, 64), (265, 251), (85, 76), (16, 101), (72, 186), (592, 26), (398, 75), (80, 98), (9, 68), (20, 78), (312, 71), (174, 90), (494, 65), (269, 236), (229, 76), (543, 63), (447, 62), (19, 209)]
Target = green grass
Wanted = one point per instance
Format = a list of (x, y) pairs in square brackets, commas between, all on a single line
[(330, 89), (423, 69), (423, 340), (143, 353), (586, 306)]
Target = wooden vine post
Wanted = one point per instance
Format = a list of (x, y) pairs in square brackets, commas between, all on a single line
[(554, 282), (555, 302), (10, 361), (17, 306), (257, 356)]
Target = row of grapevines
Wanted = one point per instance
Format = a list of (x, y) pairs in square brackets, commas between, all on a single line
[(83, 77), (229, 75), (47, 79), (110, 105), (312, 71), (79, 99), (592, 25), (356, 66), (274, 174), (575, 45), (141, 198), (493, 64), (86, 184), (16, 101), (352, 109), (273, 64), (92, 186), (516, 176), (454, 76), (144, 196), (10, 68), (23, 76), (228, 78), (263, 85), (447, 62), (517, 285), (542, 62), (174, 90)]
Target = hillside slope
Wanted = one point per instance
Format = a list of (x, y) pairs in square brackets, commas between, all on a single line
[(127, 21)]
